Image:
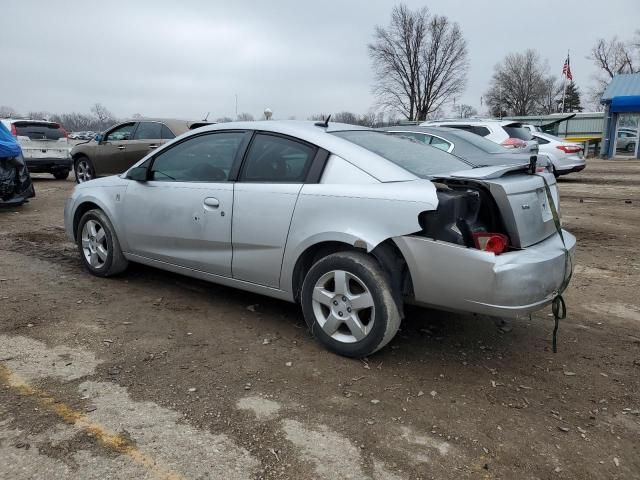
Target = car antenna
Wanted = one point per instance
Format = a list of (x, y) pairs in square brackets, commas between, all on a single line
[(324, 124), (206, 117)]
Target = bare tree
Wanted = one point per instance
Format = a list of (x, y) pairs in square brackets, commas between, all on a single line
[(419, 61), (464, 111), (245, 117), (103, 116), (612, 57), (8, 112), (518, 84), (224, 120), (551, 96)]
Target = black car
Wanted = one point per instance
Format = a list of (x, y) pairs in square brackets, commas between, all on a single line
[(15, 182)]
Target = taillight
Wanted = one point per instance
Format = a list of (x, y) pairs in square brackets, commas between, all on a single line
[(491, 242), (14, 131), (513, 143), (569, 148)]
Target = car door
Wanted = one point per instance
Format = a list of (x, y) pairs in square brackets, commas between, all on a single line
[(182, 214), (146, 138), (273, 172), (111, 154)]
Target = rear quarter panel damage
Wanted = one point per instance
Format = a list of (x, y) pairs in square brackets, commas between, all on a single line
[(360, 215)]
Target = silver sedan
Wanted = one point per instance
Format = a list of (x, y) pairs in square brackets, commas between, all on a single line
[(349, 222)]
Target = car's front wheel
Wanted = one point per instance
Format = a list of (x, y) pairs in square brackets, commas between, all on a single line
[(348, 304), (83, 169), (98, 245)]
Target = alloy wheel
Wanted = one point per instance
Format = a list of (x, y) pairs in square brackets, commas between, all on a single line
[(343, 306), (94, 244), (83, 171)]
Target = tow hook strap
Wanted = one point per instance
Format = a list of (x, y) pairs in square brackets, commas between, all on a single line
[(558, 305)]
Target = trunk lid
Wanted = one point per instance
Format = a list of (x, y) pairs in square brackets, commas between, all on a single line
[(521, 199)]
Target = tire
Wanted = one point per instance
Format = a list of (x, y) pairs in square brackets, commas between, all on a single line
[(61, 174), (323, 301), (95, 235), (83, 169)]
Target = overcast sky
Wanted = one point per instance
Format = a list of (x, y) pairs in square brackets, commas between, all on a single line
[(159, 58)]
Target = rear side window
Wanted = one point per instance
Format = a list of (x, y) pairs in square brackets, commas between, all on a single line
[(518, 132), (277, 160), (166, 134), (148, 131), (420, 137), (205, 158), (541, 141), (440, 143), (39, 130)]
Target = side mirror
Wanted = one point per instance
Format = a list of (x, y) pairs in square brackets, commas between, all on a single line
[(139, 174), (98, 138)]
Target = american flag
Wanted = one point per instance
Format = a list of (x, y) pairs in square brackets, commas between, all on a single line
[(566, 69)]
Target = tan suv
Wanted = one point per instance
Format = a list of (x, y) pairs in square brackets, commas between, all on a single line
[(118, 148)]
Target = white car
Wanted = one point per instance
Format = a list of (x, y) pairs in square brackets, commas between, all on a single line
[(507, 133), (45, 146), (566, 157)]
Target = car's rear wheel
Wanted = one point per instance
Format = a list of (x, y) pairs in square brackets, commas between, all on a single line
[(83, 169), (98, 245), (348, 304), (61, 174)]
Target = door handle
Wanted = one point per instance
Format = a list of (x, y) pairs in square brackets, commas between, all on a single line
[(121, 147), (211, 202), (153, 146)]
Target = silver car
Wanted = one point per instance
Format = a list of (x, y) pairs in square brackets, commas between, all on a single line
[(349, 222)]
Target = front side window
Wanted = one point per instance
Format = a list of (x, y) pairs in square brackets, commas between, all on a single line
[(277, 159), (120, 133), (205, 158), (148, 131)]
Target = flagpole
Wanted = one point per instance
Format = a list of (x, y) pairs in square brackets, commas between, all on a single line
[(564, 88)]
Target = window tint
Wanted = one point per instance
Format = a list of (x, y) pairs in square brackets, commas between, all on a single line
[(277, 159), (518, 132), (166, 134), (419, 159), (148, 131), (120, 133), (541, 140), (39, 130), (440, 143), (205, 158), (478, 130)]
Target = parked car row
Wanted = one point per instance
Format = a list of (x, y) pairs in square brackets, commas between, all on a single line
[(82, 135), (349, 222)]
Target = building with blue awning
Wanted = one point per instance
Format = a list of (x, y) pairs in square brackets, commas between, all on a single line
[(622, 116)]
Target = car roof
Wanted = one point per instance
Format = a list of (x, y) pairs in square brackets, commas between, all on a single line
[(309, 131), (471, 121), (9, 121)]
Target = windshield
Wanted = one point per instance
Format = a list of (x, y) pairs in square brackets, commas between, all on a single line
[(39, 130), (416, 157)]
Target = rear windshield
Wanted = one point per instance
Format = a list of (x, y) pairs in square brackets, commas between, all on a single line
[(39, 130), (416, 157), (516, 131)]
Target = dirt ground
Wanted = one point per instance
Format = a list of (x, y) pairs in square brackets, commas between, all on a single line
[(154, 375)]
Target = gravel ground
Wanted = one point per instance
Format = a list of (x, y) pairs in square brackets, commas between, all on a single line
[(154, 375)]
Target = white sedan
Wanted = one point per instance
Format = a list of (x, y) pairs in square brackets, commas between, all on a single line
[(566, 157)]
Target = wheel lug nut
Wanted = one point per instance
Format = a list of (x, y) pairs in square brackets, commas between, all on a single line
[(349, 309), (340, 314), (335, 302), (344, 299)]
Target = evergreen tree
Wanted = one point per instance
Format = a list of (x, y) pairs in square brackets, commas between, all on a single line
[(572, 98)]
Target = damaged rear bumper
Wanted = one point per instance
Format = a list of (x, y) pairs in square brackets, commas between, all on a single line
[(516, 283)]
